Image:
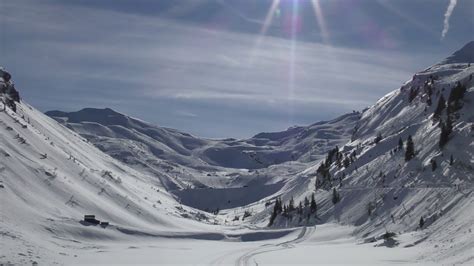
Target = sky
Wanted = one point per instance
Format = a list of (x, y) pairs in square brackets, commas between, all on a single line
[(224, 68)]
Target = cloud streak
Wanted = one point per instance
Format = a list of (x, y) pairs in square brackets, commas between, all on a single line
[(152, 68), (447, 16)]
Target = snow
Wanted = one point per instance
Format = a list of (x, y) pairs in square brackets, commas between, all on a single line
[(154, 185)]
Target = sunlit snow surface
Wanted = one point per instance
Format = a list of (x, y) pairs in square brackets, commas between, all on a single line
[(51, 177)]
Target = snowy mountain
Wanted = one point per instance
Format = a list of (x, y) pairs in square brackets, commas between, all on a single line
[(182, 161), (381, 185), (399, 174), (298, 143)]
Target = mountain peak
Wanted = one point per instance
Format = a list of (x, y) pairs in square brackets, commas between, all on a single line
[(463, 55), (105, 116)]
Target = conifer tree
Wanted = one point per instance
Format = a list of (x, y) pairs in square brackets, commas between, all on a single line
[(335, 196), (434, 165), (313, 207), (306, 202), (456, 95), (378, 138), (446, 129), (439, 108), (277, 208), (291, 205), (400, 144), (410, 149), (346, 162), (300, 208), (422, 222)]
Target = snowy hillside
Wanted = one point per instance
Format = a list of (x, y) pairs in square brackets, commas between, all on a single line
[(221, 173), (50, 178), (108, 129), (381, 183), (392, 184)]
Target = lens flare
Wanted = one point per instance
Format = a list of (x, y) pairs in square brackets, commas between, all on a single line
[(292, 23), (272, 12), (295, 27), (318, 13)]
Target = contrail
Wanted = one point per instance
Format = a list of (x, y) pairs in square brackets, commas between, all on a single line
[(447, 15)]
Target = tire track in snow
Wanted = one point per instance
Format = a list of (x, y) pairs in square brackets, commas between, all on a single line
[(245, 259)]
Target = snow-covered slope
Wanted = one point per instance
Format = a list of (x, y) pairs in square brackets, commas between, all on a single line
[(380, 189), (108, 130), (222, 173), (50, 177), (361, 175)]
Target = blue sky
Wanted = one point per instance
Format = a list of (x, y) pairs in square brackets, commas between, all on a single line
[(224, 68)]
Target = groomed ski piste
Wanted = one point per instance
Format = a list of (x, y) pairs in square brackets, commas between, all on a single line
[(172, 198)]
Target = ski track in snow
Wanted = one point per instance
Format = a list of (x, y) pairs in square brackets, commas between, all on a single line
[(249, 257)]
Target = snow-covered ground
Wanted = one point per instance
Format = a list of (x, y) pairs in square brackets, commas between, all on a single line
[(160, 189), (325, 244)]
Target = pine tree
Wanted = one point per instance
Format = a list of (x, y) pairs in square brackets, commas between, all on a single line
[(456, 95), (434, 165), (451, 160), (291, 205), (422, 222), (313, 207), (277, 209), (446, 130), (410, 149), (346, 162), (378, 138), (335, 196), (306, 202), (300, 208), (439, 109), (400, 144)]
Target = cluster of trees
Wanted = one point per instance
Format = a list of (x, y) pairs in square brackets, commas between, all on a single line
[(427, 87), (409, 148), (307, 207), (340, 159), (434, 164), (453, 105), (455, 98)]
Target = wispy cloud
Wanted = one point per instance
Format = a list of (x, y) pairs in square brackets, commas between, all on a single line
[(447, 16), (76, 56), (186, 114)]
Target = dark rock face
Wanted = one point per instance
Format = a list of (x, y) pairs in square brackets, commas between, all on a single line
[(7, 88)]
